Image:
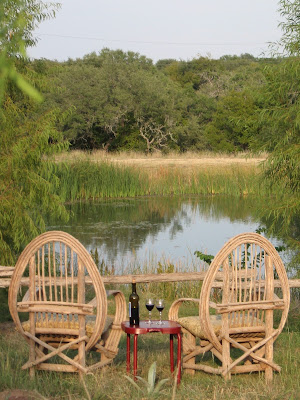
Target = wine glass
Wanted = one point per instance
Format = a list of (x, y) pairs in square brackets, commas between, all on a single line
[(160, 305), (149, 306)]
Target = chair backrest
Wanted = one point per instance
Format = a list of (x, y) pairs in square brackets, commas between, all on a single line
[(57, 268), (248, 264)]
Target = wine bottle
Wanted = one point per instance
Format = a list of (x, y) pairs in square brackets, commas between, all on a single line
[(134, 318)]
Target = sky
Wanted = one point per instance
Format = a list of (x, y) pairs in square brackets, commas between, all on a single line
[(159, 29)]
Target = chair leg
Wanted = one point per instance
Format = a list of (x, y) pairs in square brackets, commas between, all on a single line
[(191, 340), (226, 357), (269, 317), (32, 358), (269, 357)]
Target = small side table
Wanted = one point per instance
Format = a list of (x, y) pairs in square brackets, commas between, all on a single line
[(169, 327)]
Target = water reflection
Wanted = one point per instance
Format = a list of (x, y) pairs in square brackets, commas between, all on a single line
[(165, 227)]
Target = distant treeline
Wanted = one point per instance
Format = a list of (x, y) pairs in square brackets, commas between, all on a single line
[(123, 101)]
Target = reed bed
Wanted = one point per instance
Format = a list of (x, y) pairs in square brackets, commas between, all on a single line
[(86, 180), (230, 180)]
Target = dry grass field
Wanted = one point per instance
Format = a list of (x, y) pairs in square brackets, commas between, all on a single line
[(172, 160)]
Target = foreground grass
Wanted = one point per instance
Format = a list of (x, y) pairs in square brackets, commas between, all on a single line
[(110, 383)]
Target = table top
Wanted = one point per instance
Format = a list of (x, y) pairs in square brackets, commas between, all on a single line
[(170, 327)]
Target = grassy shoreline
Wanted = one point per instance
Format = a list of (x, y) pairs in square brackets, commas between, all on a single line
[(84, 177)]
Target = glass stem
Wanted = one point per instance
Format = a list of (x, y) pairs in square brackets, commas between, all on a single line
[(160, 316)]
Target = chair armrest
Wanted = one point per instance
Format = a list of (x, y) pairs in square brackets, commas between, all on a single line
[(121, 305), (173, 312)]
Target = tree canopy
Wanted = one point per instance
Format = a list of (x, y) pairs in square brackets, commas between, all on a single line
[(27, 134)]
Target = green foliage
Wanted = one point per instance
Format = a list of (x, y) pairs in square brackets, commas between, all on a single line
[(280, 127), (117, 100), (149, 384), (18, 19), (232, 124), (87, 180), (25, 191), (84, 180), (27, 136), (204, 257), (289, 44)]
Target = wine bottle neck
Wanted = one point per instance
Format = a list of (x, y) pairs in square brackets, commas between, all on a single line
[(134, 288)]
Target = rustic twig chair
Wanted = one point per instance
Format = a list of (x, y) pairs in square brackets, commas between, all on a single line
[(236, 309), (63, 322)]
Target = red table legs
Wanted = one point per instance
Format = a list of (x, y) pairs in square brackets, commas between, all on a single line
[(135, 356), (178, 358), (171, 353), (128, 354), (135, 338)]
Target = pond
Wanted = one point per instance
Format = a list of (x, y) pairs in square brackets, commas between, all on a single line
[(142, 233)]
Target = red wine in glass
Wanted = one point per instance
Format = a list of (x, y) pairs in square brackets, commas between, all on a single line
[(160, 305), (149, 306)]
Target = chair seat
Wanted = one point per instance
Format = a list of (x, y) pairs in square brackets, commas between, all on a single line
[(194, 326), (65, 323)]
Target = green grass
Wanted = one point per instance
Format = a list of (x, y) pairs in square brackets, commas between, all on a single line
[(85, 180), (110, 383)]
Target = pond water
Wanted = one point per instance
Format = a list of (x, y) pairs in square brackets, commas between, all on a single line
[(135, 233)]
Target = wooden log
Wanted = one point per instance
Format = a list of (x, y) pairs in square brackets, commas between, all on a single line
[(244, 369), (251, 303), (57, 331), (205, 368), (47, 307), (56, 367), (267, 306), (6, 271), (141, 278), (246, 329)]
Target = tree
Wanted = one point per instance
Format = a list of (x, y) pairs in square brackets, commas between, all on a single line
[(119, 99), (18, 19), (280, 127), (232, 124), (289, 44), (28, 138), (26, 142), (280, 116)]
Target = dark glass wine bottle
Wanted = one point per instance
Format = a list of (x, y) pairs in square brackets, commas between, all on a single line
[(134, 318)]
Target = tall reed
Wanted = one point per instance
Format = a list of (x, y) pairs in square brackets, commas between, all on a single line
[(84, 180)]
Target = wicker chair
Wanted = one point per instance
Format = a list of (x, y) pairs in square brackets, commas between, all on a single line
[(240, 281), (62, 277)]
